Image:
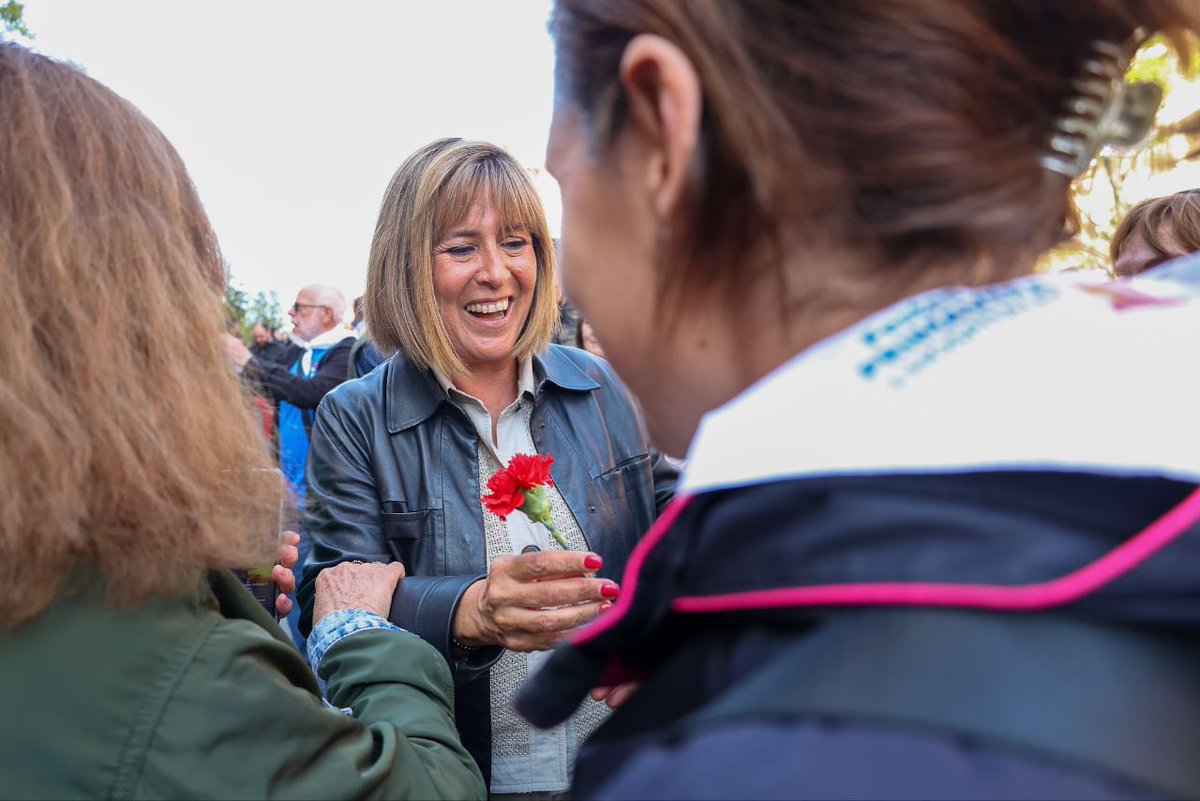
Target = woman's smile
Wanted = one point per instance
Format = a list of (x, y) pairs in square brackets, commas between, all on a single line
[(494, 311)]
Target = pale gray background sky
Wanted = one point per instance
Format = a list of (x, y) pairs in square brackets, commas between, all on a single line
[(292, 116)]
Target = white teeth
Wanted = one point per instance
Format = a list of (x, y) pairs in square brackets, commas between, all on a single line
[(488, 308)]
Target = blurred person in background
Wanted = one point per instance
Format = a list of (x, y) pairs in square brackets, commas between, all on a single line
[(1155, 231), (134, 665), (461, 287), (912, 556), (265, 346), (315, 364), (316, 361), (586, 339), (364, 357)]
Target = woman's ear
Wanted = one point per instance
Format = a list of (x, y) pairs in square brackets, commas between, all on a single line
[(665, 104)]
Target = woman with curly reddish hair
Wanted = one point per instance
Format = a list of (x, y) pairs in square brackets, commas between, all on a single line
[(1155, 231), (912, 556), (134, 665)]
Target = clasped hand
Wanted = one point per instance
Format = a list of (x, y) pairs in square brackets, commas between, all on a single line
[(529, 601), (354, 585)]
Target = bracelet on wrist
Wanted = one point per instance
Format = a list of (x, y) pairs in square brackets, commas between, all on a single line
[(463, 646)]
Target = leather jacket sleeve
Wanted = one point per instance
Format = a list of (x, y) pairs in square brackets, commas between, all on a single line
[(426, 605), (342, 520)]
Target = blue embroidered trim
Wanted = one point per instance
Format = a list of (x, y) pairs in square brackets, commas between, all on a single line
[(341, 624)]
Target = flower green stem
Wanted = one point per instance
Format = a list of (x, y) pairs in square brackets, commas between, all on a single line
[(556, 534)]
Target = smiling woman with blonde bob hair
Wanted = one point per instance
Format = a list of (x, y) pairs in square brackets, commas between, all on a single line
[(461, 286), (430, 193)]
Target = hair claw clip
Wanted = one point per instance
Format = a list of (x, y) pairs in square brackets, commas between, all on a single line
[(1102, 110)]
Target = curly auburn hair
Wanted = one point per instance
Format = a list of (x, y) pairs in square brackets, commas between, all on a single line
[(127, 441)]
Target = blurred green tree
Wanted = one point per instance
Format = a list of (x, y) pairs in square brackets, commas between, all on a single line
[(12, 15), (242, 311)]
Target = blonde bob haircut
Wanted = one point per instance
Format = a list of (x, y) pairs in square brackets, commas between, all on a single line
[(432, 192), (128, 449)]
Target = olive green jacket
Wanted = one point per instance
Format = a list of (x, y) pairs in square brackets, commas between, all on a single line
[(205, 698)]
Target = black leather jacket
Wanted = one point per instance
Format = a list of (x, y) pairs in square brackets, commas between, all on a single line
[(393, 475)]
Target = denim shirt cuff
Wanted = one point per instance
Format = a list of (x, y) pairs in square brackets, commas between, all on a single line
[(336, 626)]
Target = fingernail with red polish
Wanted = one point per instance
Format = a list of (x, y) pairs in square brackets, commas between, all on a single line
[(604, 609), (592, 562), (610, 590)]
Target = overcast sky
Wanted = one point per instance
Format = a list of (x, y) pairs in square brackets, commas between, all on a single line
[(292, 116)]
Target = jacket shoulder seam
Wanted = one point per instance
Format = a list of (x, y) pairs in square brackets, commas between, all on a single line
[(136, 750)]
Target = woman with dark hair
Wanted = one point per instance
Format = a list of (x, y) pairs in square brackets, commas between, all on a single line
[(134, 665), (912, 556), (461, 287)]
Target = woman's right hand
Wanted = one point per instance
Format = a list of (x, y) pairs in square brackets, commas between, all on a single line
[(529, 601), (355, 585)]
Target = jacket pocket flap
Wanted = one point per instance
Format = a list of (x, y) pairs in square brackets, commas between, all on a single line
[(630, 475), (405, 525)]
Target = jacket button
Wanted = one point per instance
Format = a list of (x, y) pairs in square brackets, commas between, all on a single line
[(591, 507), (541, 423)]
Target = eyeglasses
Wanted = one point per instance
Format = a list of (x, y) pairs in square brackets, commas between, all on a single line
[(297, 306)]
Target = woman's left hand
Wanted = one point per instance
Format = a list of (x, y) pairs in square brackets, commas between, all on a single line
[(615, 696), (285, 580)]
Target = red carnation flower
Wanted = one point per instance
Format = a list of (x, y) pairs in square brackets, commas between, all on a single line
[(506, 497), (521, 485), (531, 471)]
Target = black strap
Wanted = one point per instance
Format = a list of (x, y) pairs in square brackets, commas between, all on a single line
[(1120, 700)]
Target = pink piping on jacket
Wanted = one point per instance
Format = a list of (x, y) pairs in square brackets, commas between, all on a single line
[(1020, 598), (629, 581)]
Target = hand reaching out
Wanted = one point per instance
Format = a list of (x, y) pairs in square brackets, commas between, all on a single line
[(285, 580), (530, 601)]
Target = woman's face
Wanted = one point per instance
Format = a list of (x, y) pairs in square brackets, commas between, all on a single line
[(484, 281), (608, 238), (618, 206)]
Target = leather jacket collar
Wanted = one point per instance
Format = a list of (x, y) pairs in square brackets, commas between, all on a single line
[(413, 394)]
